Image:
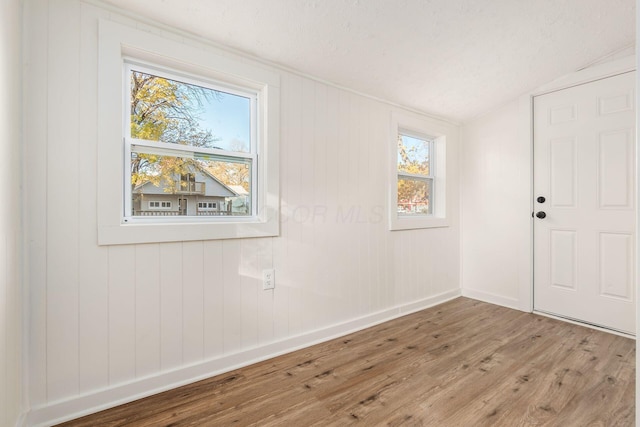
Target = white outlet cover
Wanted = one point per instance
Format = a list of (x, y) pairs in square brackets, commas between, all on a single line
[(268, 279)]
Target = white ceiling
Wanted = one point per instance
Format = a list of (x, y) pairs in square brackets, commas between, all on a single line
[(452, 58)]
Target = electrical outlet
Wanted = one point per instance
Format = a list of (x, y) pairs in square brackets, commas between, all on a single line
[(268, 279)]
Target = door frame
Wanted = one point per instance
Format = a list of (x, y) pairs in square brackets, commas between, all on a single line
[(184, 208), (587, 75)]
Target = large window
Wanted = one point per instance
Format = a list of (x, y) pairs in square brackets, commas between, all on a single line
[(417, 172), (181, 124), (190, 138)]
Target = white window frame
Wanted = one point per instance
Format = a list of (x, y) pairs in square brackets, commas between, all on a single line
[(440, 134), (186, 58)]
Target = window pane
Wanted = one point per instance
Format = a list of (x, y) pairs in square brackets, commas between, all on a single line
[(237, 177), (189, 186), (414, 196), (413, 155), (181, 113)]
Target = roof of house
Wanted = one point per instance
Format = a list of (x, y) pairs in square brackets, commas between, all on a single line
[(239, 190), (216, 188)]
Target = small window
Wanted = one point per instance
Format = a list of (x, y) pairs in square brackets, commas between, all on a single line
[(207, 205), (417, 172), (154, 204)]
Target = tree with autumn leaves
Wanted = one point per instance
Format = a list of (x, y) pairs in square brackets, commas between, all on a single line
[(168, 111)]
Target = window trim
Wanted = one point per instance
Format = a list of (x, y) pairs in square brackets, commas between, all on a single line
[(117, 42), (440, 136)]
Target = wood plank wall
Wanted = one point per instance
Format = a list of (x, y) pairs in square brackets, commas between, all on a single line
[(103, 317), (11, 325)]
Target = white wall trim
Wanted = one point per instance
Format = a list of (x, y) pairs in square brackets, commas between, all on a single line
[(587, 75), (492, 298), (57, 412)]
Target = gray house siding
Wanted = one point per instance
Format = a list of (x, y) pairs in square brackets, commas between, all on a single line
[(196, 195)]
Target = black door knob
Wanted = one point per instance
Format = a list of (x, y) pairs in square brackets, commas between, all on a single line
[(541, 199), (541, 215)]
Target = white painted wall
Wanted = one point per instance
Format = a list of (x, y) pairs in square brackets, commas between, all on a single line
[(10, 247), (495, 179), (108, 324)]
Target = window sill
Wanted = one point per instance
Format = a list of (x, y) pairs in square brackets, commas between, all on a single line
[(417, 222)]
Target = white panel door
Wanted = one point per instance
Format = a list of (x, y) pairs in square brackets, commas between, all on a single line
[(584, 151)]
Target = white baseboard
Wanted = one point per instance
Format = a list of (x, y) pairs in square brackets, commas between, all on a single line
[(57, 412), (492, 298)]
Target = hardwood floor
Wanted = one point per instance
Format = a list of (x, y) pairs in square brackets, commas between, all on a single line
[(462, 363)]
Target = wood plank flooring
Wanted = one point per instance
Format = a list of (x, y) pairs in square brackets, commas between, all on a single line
[(462, 363)]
